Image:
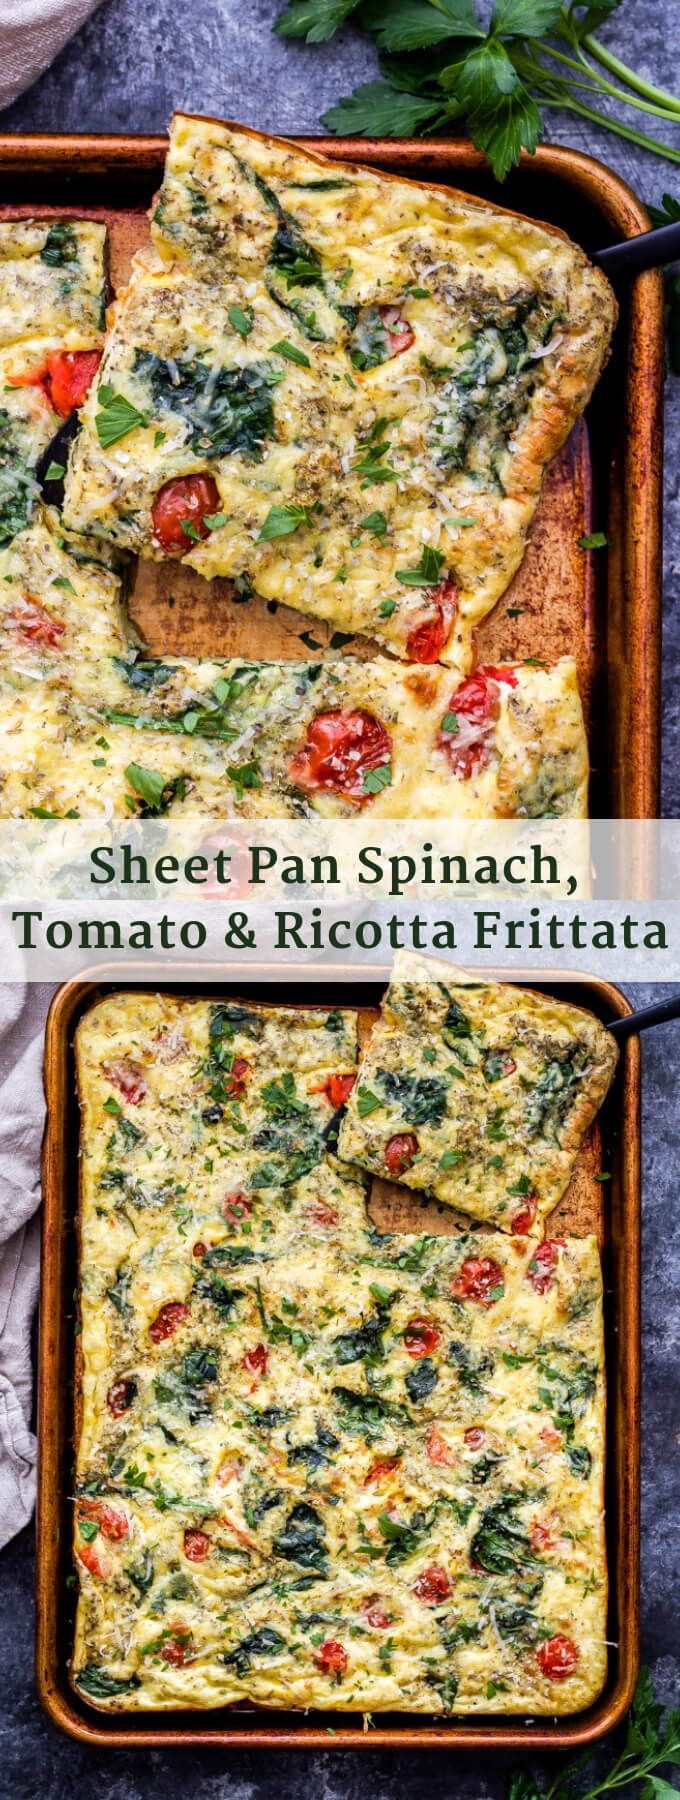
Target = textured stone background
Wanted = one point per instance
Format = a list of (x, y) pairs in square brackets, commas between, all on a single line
[(131, 64)]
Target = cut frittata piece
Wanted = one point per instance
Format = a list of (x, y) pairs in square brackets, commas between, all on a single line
[(82, 704), (370, 1477), (337, 386), (477, 1092), (52, 301)]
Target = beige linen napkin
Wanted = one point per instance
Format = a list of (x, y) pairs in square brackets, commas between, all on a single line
[(22, 1014), (32, 32)]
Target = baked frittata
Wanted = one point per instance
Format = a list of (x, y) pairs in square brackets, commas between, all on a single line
[(52, 300), (477, 1092), (316, 1466), (82, 705), (337, 387)]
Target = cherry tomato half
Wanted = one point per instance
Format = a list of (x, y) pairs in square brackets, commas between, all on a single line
[(432, 1586), (196, 1544), (128, 1078), (401, 1151), (168, 1320), (481, 1279), (32, 622), (185, 501), (342, 748), (426, 641), (475, 706), (421, 1337), (557, 1658)]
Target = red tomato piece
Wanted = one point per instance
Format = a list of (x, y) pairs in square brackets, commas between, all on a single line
[(437, 1447), (426, 641), (337, 1089), (120, 1397), (400, 335), (543, 1264), (64, 377), (228, 1471), (196, 1544), (541, 1538), (401, 1151), (340, 750), (32, 622), (476, 706), (236, 1206), (331, 1658), (522, 1220), (321, 1214), (481, 1279), (199, 1251), (69, 375), (94, 1562), (168, 1320), (128, 1078), (551, 1436), (475, 1436), (432, 1586), (176, 1650), (184, 501), (236, 1082), (112, 1523), (381, 1470), (256, 1360), (373, 1611), (557, 1658), (421, 1337)]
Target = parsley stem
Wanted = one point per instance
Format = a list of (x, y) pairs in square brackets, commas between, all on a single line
[(624, 131), (659, 95), (597, 84)]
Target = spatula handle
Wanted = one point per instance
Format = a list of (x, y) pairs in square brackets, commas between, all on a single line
[(660, 1014), (648, 251)]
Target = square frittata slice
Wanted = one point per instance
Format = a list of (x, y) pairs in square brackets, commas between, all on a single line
[(256, 740), (337, 386), (351, 1480), (477, 1092), (53, 288)]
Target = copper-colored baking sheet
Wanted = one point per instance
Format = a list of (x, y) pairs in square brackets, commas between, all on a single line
[(612, 1209), (604, 609)]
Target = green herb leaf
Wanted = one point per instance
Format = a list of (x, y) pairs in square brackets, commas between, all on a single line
[(245, 776), (281, 521), (427, 572), (367, 1102), (242, 320), (374, 780), (376, 523), (55, 471), (377, 110), (313, 20), (116, 417), (597, 540), (291, 353)]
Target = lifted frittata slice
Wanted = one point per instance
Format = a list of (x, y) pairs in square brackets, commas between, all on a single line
[(337, 386), (477, 1092), (53, 289), (363, 1476)]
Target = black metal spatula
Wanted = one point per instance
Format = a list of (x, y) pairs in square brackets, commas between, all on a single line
[(648, 1015), (651, 250)]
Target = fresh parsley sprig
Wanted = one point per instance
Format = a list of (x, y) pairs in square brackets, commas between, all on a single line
[(652, 1742), (441, 65)]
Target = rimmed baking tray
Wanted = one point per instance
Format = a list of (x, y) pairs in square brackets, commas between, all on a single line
[(610, 1208), (604, 608)]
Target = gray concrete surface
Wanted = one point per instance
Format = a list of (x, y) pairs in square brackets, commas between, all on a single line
[(127, 68)]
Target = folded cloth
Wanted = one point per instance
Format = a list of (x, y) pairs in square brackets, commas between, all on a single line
[(32, 32), (21, 1125)]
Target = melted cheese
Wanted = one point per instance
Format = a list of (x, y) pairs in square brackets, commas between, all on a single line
[(436, 352), (494, 1085), (78, 709), (284, 1499)]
